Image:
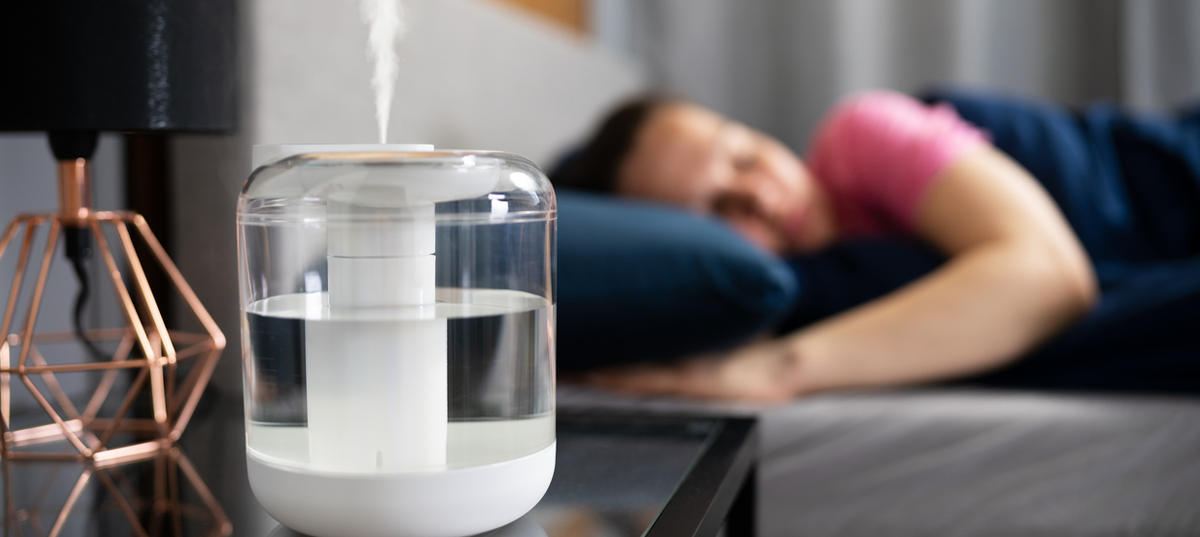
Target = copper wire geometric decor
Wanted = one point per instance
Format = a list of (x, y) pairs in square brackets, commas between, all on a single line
[(144, 344)]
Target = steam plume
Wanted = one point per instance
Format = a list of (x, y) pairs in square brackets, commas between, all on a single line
[(386, 21)]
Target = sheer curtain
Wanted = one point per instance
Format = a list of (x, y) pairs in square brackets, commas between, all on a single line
[(779, 64)]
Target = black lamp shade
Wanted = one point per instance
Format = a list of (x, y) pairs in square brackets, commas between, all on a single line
[(118, 65)]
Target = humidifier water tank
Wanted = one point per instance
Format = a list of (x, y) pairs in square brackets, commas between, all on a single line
[(398, 328)]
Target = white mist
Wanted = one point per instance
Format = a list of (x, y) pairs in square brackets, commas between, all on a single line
[(385, 18)]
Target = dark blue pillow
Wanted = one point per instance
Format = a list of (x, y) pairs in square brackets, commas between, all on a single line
[(639, 281), (854, 272)]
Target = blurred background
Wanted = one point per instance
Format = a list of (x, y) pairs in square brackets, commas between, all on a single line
[(532, 76)]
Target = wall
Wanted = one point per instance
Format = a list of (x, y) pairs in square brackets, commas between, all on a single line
[(779, 66), (1162, 60)]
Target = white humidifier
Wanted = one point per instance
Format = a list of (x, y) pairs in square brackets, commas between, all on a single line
[(398, 338)]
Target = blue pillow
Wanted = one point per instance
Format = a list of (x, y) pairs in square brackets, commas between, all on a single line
[(638, 282), (854, 272)]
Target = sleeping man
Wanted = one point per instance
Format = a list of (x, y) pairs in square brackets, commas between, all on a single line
[(880, 163)]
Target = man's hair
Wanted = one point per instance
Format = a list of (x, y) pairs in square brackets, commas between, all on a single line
[(597, 165)]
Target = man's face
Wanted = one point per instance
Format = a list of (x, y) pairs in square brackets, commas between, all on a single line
[(690, 157)]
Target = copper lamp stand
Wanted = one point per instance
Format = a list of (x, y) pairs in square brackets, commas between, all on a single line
[(159, 351)]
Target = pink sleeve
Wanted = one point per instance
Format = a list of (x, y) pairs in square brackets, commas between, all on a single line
[(878, 152)]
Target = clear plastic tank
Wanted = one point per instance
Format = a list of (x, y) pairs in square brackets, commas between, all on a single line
[(398, 337)]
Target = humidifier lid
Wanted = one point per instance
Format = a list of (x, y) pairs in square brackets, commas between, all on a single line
[(264, 153), (305, 184)]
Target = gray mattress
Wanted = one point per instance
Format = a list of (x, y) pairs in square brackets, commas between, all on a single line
[(965, 462)]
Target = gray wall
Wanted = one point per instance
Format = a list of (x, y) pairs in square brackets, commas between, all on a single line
[(779, 65)]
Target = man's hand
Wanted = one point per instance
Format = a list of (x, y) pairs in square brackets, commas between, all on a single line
[(767, 372)]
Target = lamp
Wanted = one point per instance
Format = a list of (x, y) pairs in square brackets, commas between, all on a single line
[(75, 68)]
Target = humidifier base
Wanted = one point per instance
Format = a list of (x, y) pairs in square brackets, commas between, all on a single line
[(451, 503)]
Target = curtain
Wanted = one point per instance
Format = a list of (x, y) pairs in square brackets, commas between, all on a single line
[(779, 64)]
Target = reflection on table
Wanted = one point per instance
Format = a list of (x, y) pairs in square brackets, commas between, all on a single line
[(614, 475), (157, 494), (522, 527)]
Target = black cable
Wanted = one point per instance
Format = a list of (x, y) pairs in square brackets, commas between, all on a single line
[(79, 249)]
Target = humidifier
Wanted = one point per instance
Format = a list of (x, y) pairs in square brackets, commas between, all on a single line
[(398, 337)]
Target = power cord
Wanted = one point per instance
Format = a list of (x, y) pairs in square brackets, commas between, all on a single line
[(78, 245)]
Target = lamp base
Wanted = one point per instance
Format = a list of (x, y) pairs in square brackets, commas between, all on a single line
[(450, 503), (146, 346)]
